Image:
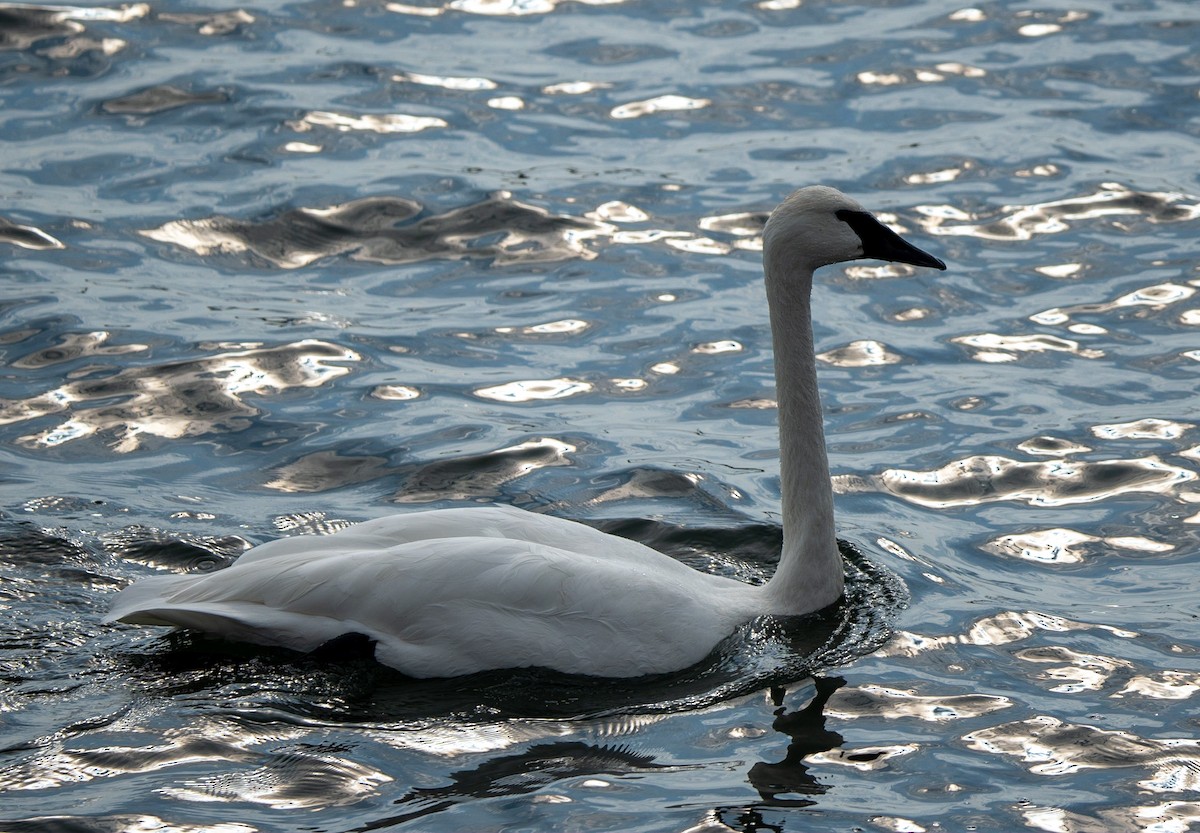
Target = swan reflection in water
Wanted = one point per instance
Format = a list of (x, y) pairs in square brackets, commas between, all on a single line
[(543, 765), (809, 736)]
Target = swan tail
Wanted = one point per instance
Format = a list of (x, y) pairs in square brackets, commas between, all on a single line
[(134, 603), (148, 603)]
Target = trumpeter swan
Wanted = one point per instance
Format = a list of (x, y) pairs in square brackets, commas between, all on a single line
[(455, 591)]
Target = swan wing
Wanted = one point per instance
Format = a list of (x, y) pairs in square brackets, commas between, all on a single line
[(477, 521), (455, 605)]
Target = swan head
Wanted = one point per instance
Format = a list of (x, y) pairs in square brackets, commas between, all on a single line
[(818, 225)]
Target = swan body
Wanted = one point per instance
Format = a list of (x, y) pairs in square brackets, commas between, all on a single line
[(456, 591)]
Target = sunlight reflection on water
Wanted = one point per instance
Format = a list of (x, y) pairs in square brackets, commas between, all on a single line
[(271, 271)]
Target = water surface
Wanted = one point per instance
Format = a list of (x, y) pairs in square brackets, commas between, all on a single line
[(272, 270)]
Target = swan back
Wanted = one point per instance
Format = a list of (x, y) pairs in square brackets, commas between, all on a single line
[(454, 591)]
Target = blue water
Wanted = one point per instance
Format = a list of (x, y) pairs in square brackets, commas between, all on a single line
[(272, 270)]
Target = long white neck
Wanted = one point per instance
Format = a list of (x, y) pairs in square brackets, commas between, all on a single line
[(809, 575)]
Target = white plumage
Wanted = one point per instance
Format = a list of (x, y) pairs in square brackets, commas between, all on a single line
[(455, 591)]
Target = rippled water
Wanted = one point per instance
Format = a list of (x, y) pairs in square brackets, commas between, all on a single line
[(272, 270)]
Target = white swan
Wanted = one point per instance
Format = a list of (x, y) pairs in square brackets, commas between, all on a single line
[(454, 591)]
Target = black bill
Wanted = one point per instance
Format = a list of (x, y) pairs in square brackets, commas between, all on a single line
[(881, 242)]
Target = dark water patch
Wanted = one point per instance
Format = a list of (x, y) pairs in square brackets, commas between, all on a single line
[(387, 230), (476, 477), (110, 171), (643, 483), (67, 505), (70, 347), (642, 488), (498, 474), (333, 467), (480, 476), (62, 41), (21, 27), (99, 824), (605, 53), (24, 544), (322, 471), (162, 98), (26, 237), (211, 24), (174, 551)]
